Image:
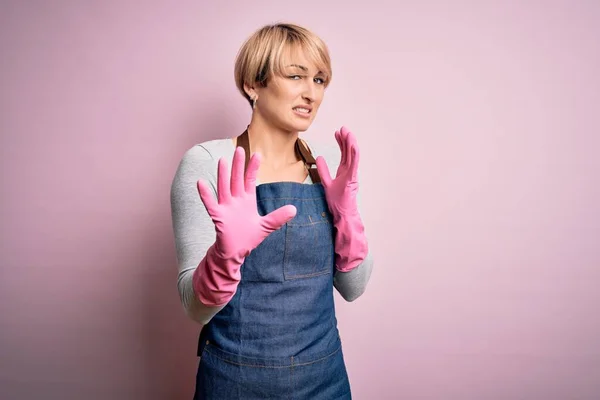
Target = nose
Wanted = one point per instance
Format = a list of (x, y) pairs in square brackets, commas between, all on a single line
[(310, 92)]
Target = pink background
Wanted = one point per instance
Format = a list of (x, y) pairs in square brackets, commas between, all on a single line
[(479, 130)]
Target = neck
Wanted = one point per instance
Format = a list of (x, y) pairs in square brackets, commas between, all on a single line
[(275, 145)]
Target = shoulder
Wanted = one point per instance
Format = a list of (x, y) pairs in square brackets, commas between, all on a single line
[(209, 150), (201, 161), (206, 155)]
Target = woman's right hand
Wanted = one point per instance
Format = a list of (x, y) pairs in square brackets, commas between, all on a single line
[(239, 228)]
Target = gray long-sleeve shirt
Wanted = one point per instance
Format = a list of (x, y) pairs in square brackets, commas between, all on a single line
[(195, 232)]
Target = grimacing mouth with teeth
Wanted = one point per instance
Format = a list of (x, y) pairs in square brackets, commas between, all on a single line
[(302, 109)]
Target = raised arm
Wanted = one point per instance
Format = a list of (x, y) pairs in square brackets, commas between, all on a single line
[(354, 262), (210, 264), (193, 228)]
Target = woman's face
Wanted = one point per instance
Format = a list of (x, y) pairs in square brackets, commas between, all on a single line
[(290, 102)]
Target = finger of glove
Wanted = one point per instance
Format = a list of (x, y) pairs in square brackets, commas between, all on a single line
[(346, 137), (323, 170), (251, 173), (237, 172), (352, 146), (354, 162), (338, 138), (223, 193), (277, 218)]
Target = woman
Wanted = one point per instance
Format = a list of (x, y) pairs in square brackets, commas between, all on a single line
[(258, 262)]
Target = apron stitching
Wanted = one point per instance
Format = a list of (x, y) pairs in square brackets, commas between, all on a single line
[(274, 366), (291, 198), (292, 378)]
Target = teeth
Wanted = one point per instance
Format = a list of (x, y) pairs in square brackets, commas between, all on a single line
[(304, 110)]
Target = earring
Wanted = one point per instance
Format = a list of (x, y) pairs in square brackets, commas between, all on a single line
[(254, 102)]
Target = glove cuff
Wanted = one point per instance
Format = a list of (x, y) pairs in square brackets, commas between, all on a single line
[(215, 280), (351, 246)]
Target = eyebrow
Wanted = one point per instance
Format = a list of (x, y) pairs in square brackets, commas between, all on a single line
[(303, 68)]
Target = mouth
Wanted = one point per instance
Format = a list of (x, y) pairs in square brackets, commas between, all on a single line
[(303, 111)]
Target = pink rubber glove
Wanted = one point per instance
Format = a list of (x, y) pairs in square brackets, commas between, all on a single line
[(350, 241), (240, 229)]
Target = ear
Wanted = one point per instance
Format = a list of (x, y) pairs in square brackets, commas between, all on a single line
[(250, 91)]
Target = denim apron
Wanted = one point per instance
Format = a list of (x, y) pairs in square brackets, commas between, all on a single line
[(277, 338)]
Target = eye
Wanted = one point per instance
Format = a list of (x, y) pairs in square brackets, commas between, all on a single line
[(295, 77), (320, 81)]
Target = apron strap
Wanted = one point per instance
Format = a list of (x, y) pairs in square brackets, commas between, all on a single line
[(301, 148)]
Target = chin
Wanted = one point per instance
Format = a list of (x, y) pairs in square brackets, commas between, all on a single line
[(301, 126)]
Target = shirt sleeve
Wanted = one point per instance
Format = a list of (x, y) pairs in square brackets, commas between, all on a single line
[(193, 228)]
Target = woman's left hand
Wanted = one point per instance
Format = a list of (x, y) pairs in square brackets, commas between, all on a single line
[(350, 242), (341, 192)]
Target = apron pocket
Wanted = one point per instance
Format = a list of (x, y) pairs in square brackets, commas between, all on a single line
[(224, 375), (309, 248)]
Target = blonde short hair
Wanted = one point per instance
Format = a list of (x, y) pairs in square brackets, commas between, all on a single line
[(261, 56)]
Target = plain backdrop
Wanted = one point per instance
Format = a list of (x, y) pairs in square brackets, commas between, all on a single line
[(479, 133)]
